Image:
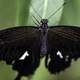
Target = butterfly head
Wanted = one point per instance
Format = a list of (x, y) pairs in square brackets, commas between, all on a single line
[(44, 23)]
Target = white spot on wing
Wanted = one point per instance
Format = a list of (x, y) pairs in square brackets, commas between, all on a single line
[(59, 54), (24, 56)]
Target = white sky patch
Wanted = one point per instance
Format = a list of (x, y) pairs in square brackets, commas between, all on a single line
[(24, 56), (59, 54)]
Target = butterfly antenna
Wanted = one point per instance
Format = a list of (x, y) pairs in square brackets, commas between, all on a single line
[(36, 20), (56, 10), (36, 12)]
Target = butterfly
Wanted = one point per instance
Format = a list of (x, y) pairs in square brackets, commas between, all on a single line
[(23, 46)]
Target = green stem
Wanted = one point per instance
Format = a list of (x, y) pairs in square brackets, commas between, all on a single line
[(45, 8)]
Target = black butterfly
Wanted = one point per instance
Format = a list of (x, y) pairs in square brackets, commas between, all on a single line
[(58, 44)]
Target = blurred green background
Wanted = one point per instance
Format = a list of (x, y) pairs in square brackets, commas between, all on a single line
[(19, 12)]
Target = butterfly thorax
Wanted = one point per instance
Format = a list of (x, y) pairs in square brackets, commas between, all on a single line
[(44, 24), (44, 31)]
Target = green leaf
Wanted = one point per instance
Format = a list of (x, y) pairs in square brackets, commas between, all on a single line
[(71, 13), (44, 9)]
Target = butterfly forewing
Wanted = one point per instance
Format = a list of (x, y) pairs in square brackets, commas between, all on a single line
[(14, 42)]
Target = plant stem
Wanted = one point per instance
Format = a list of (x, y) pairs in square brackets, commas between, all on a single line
[(45, 8)]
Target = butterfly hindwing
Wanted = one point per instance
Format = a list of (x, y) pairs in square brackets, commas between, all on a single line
[(14, 42), (63, 39)]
